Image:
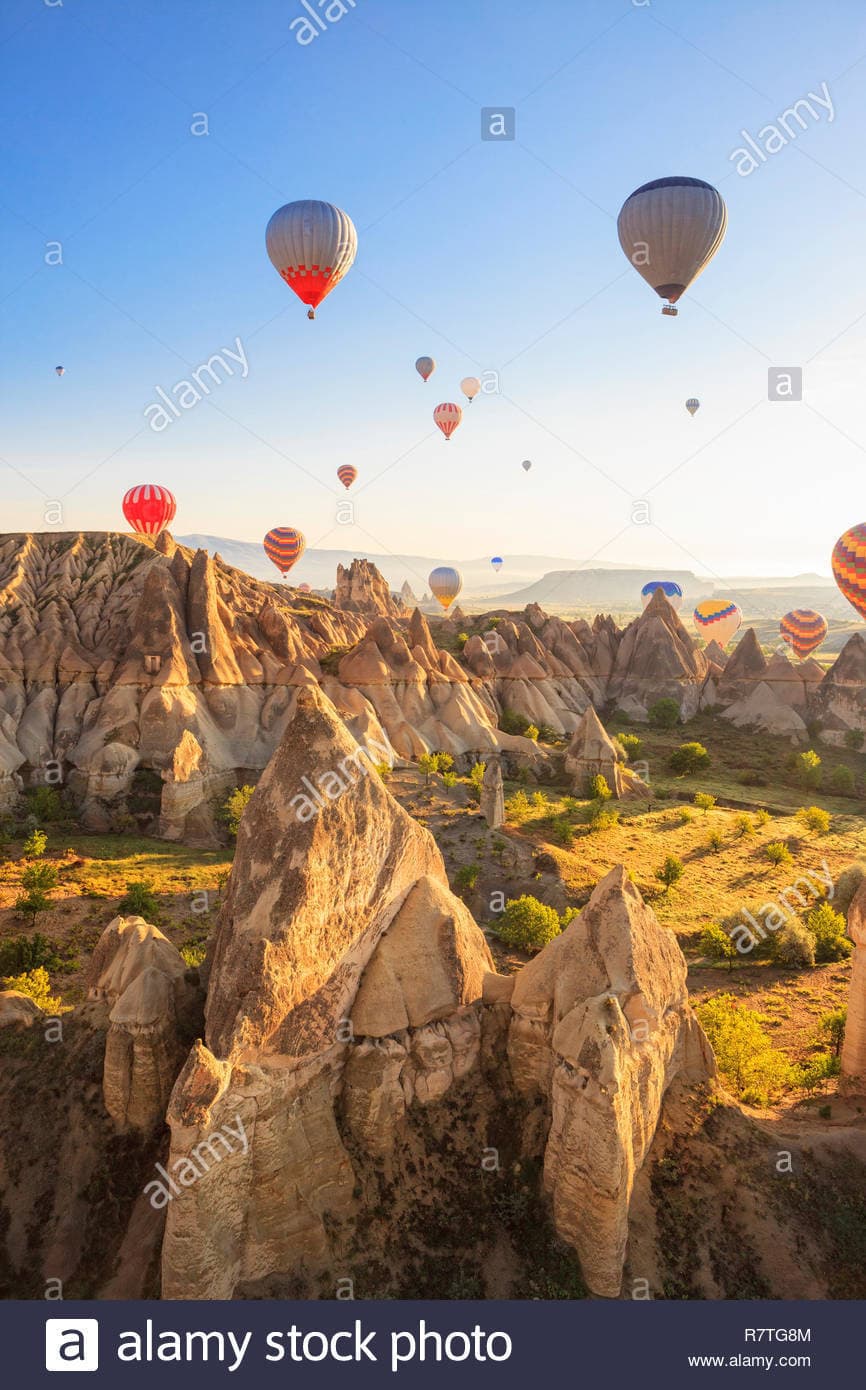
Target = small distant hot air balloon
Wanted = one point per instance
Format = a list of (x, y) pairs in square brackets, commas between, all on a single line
[(497, 562), (526, 465), (693, 405), (311, 245), (447, 416), (804, 630), (425, 367), (445, 584), (470, 386), (670, 229), (849, 566), (285, 546), (719, 619), (671, 590), (347, 474), (149, 508), (60, 370)]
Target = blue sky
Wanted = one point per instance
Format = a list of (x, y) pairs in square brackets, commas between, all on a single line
[(489, 256)]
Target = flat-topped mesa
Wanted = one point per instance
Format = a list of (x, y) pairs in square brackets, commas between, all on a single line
[(362, 589), (657, 658)]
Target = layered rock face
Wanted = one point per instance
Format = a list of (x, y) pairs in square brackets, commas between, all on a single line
[(361, 589), (593, 753), (657, 659), (349, 989), (854, 1045)]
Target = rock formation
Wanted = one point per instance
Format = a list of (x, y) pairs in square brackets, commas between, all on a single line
[(18, 1010), (657, 659), (854, 1045), (361, 589), (593, 753), (765, 709), (493, 795)]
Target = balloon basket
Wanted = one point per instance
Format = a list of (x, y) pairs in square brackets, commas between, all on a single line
[(670, 310)]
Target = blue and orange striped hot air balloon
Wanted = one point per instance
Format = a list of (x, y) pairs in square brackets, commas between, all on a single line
[(718, 618), (284, 546), (804, 630), (849, 566)]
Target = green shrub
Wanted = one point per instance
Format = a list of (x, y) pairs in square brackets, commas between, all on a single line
[(139, 900), (818, 1068), (778, 853), (670, 872), (664, 714), (715, 840), (37, 985), (704, 801), (854, 738), (45, 804), (762, 816), (601, 817), (689, 758), (23, 953), (462, 639), (831, 1029), (806, 769), (517, 807), (686, 816), (449, 779), (233, 807), (716, 944), (563, 832), (598, 789), (527, 924), (510, 722), (36, 844), (32, 903), (444, 762), (756, 1071), (842, 781), (476, 778), (814, 818), (531, 731), (828, 929), (467, 876), (631, 744), (193, 954), (384, 770), (745, 824), (794, 945)]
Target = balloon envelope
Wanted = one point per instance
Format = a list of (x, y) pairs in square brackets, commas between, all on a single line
[(849, 566), (692, 405), (60, 370), (497, 563), (804, 630), (719, 619), (445, 584), (470, 386), (425, 367), (447, 416), (149, 508), (672, 592), (670, 229), (311, 245), (284, 546), (347, 474), (526, 465)]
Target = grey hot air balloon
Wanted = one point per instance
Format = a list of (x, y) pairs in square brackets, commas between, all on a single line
[(425, 367), (670, 230), (311, 245), (693, 405), (526, 465)]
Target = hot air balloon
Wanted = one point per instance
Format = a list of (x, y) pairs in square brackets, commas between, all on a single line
[(526, 465), (670, 230), (693, 405), (804, 630), (672, 592), (849, 566), (347, 474), (447, 416), (445, 584), (149, 508), (425, 367), (304, 589), (718, 618), (60, 370), (470, 386), (497, 562), (285, 546), (312, 245)]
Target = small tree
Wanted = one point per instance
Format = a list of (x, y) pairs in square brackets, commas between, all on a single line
[(233, 808), (716, 944), (832, 1029), (806, 769), (428, 765), (36, 844), (531, 731), (467, 877), (139, 900), (664, 714), (715, 841), (704, 801), (828, 928), (42, 877), (601, 817), (745, 824), (476, 778), (814, 818), (563, 832), (842, 781), (449, 779), (444, 762), (32, 903), (794, 946), (670, 872), (598, 789), (517, 807), (854, 738), (528, 924), (45, 803), (778, 853), (632, 745), (762, 816), (689, 758)]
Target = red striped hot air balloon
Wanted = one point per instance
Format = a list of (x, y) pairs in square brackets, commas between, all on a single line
[(447, 416), (149, 508), (284, 546), (849, 566), (804, 630), (347, 474)]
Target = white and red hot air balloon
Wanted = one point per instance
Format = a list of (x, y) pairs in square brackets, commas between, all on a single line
[(447, 416), (311, 245), (149, 508)]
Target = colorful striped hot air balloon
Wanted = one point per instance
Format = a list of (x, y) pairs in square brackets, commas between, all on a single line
[(849, 566), (149, 508), (719, 619), (311, 245), (670, 229), (672, 592), (804, 630), (285, 546), (445, 584), (425, 367), (347, 474), (447, 416)]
